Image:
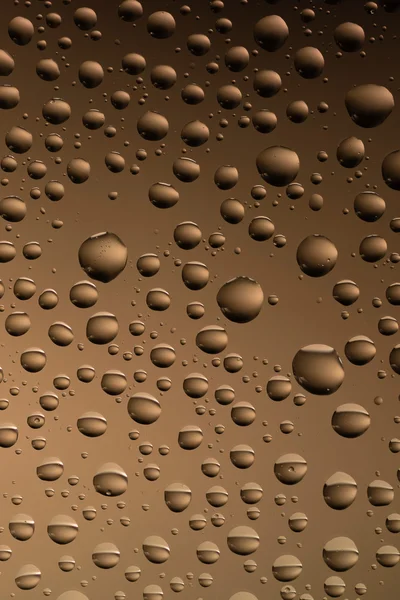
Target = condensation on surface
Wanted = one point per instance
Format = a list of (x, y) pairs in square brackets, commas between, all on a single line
[(199, 299)]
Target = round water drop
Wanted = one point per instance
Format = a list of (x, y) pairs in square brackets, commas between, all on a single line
[(278, 165), (340, 491), (286, 568), (103, 256), (350, 420), (110, 480), (106, 555), (177, 497), (316, 255), (156, 549), (62, 529), (28, 577), (318, 369), (144, 408), (240, 299), (340, 554), (243, 540)]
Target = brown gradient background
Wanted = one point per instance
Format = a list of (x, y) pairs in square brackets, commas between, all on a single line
[(276, 334)]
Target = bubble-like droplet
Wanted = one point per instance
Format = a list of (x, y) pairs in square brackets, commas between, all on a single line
[(113, 382), (243, 413), (110, 480), (92, 424), (351, 420), (177, 497), (290, 468), (7, 63), (186, 169), (240, 299), (232, 211), (156, 549), (349, 37), (373, 248), (340, 491), (369, 206), (279, 387), (195, 133), (393, 294), (271, 33), (286, 568), (50, 469), (388, 326), (91, 74), (187, 235), (242, 456), (264, 121), (144, 408), (83, 294), (85, 18), (106, 555), (132, 573), (243, 540), (158, 299), (8, 435), (190, 437), (5, 553), (267, 83), (369, 105), (316, 255), (103, 256), (278, 165), (380, 493), (61, 334), (334, 586), (346, 292), (33, 360), (298, 522), (340, 554), (72, 595), (102, 328), (9, 97), (56, 111), (394, 359), (153, 592), (152, 126), (388, 556), (17, 323), (393, 523), (198, 44), (318, 369), (28, 577), (19, 140), (195, 385), (62, 529), (208, 553), (161, 25), (22, 527), (212, 339), (350, 152), (47, 69), (78, 170), (163, 356), (309, 62), (21, 30), (226, 177), (360, 350), (130, 10)]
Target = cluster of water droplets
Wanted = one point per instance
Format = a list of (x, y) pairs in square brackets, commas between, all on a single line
[(67, 135)]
